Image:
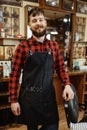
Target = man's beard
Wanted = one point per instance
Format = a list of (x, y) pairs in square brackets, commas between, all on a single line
[(39, 34)]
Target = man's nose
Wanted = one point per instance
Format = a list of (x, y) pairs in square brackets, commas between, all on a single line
[(38, 22)]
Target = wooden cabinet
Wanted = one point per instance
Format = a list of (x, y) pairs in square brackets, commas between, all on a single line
[(80, 37), (80, 40), (9, 18), (79, 55), (85, 89), (81, 27), (77, 78), (59, 5), (47, 4), (4, 93), (5, 111)]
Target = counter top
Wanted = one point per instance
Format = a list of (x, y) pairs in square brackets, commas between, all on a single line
[(72, 73), (75, 72), (12, 38)]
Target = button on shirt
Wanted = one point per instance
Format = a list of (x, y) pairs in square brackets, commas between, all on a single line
[(19, 60)]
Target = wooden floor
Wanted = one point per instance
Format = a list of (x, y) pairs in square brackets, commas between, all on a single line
[(62, 124)]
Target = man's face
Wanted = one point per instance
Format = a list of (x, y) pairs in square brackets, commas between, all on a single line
[(38, 25)]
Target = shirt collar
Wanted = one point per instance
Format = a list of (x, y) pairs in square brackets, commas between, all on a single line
[(35, 41)]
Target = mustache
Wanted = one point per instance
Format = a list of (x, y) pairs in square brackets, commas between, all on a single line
[(39, 26)]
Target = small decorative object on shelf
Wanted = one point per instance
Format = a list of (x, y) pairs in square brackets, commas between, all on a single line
[(54, 3), (76, 37), (5, 68), (9, 50), (2, 32)]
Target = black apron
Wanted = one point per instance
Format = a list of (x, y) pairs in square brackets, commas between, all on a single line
[(37, 94)]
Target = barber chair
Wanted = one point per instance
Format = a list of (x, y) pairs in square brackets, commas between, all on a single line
[(72, 112), (84, 108), (71, 108)]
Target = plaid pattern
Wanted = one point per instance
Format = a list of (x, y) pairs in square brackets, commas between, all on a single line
[(78, 126), (20, 57)]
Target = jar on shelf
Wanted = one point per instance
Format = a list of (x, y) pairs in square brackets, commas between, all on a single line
[(2, 32)]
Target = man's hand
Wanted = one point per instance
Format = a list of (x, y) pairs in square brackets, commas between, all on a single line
[(68, 93), (15, 107)]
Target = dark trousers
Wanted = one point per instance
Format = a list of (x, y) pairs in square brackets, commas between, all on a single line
[(45, 127)]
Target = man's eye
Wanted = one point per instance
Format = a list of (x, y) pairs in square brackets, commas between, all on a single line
[(41, 20), (34, 20)]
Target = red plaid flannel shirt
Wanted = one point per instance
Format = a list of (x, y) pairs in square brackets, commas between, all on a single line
[(20, 57)]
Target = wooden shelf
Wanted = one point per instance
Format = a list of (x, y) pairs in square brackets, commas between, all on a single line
[(58, 7), (12, 38), (77, 79), (4, 79), (5, 106), (85, 86), (5, 103), (4, 93), (75, 73)]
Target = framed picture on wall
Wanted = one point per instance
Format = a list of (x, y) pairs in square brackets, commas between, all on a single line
[(1, 52), (68, 5), (54, 3), (9, 51)]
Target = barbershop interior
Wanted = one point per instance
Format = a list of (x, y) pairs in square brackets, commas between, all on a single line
[(66, 25)]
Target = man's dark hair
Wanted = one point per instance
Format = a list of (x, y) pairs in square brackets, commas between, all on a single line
[(35, 11)]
